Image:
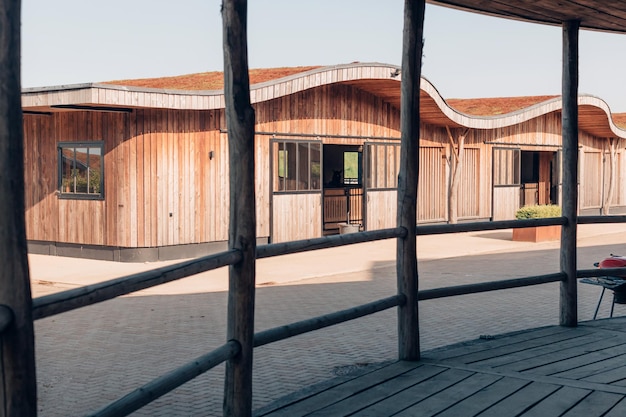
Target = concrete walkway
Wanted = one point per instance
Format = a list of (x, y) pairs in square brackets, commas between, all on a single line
[(89, 357)]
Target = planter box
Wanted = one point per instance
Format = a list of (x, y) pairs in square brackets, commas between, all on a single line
[(537, 234)]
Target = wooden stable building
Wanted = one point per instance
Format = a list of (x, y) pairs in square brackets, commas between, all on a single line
[(138, 170)]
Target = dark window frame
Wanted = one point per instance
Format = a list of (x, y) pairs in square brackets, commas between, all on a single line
[(289, 153), (74, 194), (510, 172)]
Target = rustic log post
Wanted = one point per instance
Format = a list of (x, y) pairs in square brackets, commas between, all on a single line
[(568, 299), (18, 387), (406, 257), (242, 228), (610, 189), (457, 151)]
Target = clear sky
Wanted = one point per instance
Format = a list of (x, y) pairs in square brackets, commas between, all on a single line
[(465, 55)]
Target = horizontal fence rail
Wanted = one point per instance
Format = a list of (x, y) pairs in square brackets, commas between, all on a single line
[(168, 382), (601, 219), (6, 318), (601, 272), (305, 245), (284, 332), (438, 229), (489, 286), (61, 302), (68, 300)]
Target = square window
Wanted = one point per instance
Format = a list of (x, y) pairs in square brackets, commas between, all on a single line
[(81, 173)]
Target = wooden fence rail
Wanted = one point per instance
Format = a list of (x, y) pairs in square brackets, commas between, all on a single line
[(434, 293), (306, 245), (601, 219), (6, 317), (61, 302), (68, 300), (600, 272), (168, 382), (437, 229), (284, 332)]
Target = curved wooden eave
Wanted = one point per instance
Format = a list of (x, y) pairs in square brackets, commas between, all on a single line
[(381, 80)]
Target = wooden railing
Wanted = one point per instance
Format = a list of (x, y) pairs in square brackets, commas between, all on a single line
[(50, 305)]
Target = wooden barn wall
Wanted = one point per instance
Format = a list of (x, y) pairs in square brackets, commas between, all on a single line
[(160, 185), (340, 115), (166, 170)]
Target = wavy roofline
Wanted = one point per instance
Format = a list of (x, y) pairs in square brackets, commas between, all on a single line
[(352, 73)]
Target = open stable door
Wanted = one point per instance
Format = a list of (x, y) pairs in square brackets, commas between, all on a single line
[(506, 169), (296, 184), (381, 166)]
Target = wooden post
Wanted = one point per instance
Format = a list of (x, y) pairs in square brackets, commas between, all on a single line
[(457, 151), (242, 228), (406, 257), (609, 189), (18, 387), (568, 299)]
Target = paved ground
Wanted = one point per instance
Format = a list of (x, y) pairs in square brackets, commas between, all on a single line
[(89, 357)]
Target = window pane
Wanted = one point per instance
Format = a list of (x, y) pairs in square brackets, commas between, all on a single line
[(280, 164), (95, 170), (80, 168), (290, 166), (316, 166), (506, 166), (350, 167), (304, 176)]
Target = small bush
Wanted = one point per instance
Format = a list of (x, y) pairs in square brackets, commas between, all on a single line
[(537, 212)]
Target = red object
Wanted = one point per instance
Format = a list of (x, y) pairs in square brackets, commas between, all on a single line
[(614, 262)]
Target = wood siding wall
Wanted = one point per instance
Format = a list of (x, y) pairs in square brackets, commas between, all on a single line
[(166, 170), (161, 187), (296, 216), (382, 206)]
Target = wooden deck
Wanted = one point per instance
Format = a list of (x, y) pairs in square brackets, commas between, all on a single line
[(551, 371)]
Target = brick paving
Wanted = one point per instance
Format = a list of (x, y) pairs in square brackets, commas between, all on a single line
[(90, 357)]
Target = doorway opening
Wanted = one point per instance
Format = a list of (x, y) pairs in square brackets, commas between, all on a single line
[(539, 178), (343, 187)]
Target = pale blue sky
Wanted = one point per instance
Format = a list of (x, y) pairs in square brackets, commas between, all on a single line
[(465, 55)]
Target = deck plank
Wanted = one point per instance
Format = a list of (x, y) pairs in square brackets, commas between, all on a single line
[(568, 364), (503, 357), (450, 396), (545, 372), (608, 377), (594, 368), (521, 400), (619, 410), (529, 364), (558, 402), (414, 394), (337, 393), (485, 398), (379, 392), (479, 345), (595, 404)]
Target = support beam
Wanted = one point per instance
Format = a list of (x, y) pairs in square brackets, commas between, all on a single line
[(406, 264), (242, 228), (18, 387), (569, 297)]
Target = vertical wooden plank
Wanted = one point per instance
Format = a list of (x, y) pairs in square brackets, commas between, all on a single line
[(138, 136), (131, 138), (18, 387), (406, 258), (568, 293), (242, 228)]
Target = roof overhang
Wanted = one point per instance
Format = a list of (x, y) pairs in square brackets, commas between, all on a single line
[(605, 16)]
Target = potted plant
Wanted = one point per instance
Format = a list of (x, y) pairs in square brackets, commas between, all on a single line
[(539, 233)]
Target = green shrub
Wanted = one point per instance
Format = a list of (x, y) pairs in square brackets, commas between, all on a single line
[(538, 211)]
